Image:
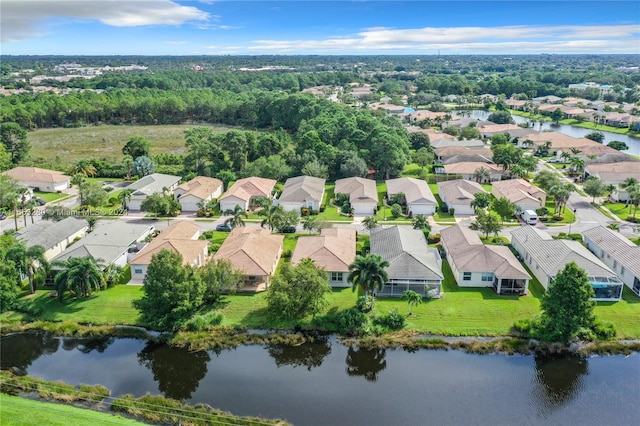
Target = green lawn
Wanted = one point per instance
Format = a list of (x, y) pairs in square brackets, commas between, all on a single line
[(620, 210), (49, 196), (331, 213), (568, 216), (18, 411)]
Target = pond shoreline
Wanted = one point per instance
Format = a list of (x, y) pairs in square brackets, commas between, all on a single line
[(221, 338)]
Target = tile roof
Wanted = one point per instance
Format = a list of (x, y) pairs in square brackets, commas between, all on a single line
[(552, 255), (619, 247), (302, 188), (415, 190), (470, 255), (34, 174), (407, 252), (153, 183), (450, 151), (517, 190), (459, 191), (359, 189), (469, 143), (49, 234), (179, 237), (251, 250), (246, 188), (200, 187), (469, 167), (334, 251)]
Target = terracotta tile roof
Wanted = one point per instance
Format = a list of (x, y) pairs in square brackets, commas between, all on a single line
[(517, 190), (255, 251), (246, 188), (469, 167), (359, 189), (200, 187), (179, 237), (302, 188), (332, 252), (459, 191), (35, 174)]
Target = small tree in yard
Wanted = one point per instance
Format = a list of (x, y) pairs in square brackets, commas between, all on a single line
[(420, 221), (413, 299), (370, 222), (594, 187), (219, 277), (369, 273), (566, 306), (298, 291), (487, 222)]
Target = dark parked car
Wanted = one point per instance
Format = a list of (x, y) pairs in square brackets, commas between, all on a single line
[(40, 201), (224, 227), (288, 229), (3, 215)]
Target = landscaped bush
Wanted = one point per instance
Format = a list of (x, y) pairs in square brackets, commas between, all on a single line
[(323, 208), (396, 211), (604, 330), (523, 326), (26, 307), (364, 304), (452, 211), (204, 322), (433, 238), (393, 320)]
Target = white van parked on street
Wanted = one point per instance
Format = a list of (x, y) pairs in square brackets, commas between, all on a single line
[(530, 217)]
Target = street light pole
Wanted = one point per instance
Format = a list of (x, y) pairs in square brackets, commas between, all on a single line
[(570, 223)]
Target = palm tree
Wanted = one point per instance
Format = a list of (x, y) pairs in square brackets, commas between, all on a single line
[(481, 174), (124, 197), (272, 215), (370, 222), (84, 168), (127, 161), (236, 216), (421, 221), (560, 194), (112, 274), (31, 205), (368, 272), (413, 299), (80, 275), (29, 261), (575, 151), (577, 164)]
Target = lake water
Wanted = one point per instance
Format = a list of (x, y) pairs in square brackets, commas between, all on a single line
[(328, 383), (576, 132)]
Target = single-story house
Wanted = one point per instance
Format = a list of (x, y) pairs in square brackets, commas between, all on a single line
[(521, 193), (113, 242), (615, 174), (443, 154), (40, 179), (468, 143), (362, 193), (198, 191), (475, 264), (255, 252), (467, 169), (302, 191), (243, 191), (458, 194), (412, 264), (546, 257), (617, 252), (155, 183), (468, 157), (334, 250), (181, 237), (54, 237), (418, 195)]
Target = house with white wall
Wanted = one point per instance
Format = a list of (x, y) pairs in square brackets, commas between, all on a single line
[(302, 191), (244, 191), (417, 194), (458, 194), (54, 237), (155, 183), (363, 195), (198, 191), (521, 193), (40, 179)]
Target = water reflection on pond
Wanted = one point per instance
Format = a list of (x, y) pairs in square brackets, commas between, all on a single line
[(327, 383)]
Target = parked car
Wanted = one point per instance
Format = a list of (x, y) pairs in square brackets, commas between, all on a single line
[(288, 229), (553, 160), (40, 201), (3, 215), (224, 227)]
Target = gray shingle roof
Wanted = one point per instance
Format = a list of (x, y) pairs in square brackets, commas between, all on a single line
[(301, 188), (414, 190), (552, 255), (49, 234), (153, 183), (620, 248), (407, 252)]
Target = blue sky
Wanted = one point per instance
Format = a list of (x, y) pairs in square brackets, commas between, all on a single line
[(210, 27)]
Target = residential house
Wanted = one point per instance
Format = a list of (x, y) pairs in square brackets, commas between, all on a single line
[(447, 142), (467, 170), (155, 183), (363, 195), (198, 191), (488, 130), (114, 242), (516, 104), (246, 190), (417, 194), (468, 157), (412, 264), (617, 252), (54, 237), (546, 257), (255, 252), (615, 174), (458, 195), (443, 154), (475, 264), (40, 179), (521, 193), (433, 134), (334, 250), (180, 237), (302, 191)]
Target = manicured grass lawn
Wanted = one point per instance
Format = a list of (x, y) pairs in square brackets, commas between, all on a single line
[(624, 314), (49, 196), (568, 216), (64, 146), (620, 210), (411, 170), (331, 212), (18, 411)]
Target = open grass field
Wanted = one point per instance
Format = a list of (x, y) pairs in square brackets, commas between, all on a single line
[(18, 411), (69, 145), (461, 311)]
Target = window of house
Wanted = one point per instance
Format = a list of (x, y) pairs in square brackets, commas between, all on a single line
[(137, 270), (487, 276), (336, 276), (466, 276)]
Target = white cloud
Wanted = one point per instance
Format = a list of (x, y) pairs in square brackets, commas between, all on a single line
[(512, 39), (22, 19)]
